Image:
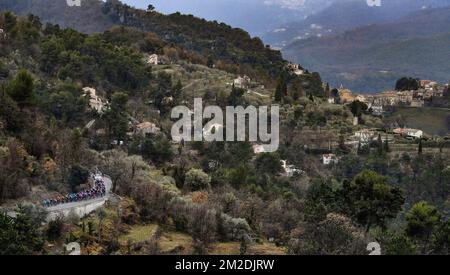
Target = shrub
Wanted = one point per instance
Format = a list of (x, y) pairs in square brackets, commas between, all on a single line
[(55, 229), (179, 212), (197, 180), (234, 229), (78, 175), (202, 227), (336, 235), (21, 88)]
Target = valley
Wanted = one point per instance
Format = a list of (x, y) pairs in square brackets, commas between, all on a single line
[(369, 58)]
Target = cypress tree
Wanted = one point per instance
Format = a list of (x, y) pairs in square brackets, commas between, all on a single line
[(380, 145), (281, 90), (386, 145)]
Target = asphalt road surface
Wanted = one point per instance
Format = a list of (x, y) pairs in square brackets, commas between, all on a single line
[(73, 205)]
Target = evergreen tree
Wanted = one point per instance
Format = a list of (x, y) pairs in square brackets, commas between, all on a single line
[(116, 117), (163, 90), (10, 21), (10, 113), (177, 93), (407, 84), (210, 62), (21, 88), (19, 236), (387, 149), (281, 90), (236, 96), (358, 108), (380, 145), (422, 220), (335, 93), (327, 90), (371, 200), (342, 148), (78, 176)]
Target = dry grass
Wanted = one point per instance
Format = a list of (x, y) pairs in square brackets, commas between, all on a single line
[(433, 121), (139, 234), (266, 249), (229, 248), (176, 243), (233, 248)]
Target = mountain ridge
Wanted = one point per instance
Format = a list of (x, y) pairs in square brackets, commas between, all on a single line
[(234, 47), (411, 46), (346, 15)]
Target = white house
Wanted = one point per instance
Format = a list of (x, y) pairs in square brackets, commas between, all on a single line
[(153, 59), (331, 100), (289, 170), (147, 128), (365, 135), (2, 34), (415, 133), (429, 85), (361, 98), (328, 159), (408, 132), (258, 149), (213, 164), (242, 82), (295, 69), (117, 142), (168, 100), (95, 102), (377, 110)]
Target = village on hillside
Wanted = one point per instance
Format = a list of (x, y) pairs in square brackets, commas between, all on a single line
[(380, 104), (427, 91), (385, 103)]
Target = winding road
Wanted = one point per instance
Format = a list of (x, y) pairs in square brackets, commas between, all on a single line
[(81, 208)]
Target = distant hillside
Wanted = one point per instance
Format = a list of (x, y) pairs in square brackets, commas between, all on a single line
[(86, 18), (255, 16), (343, 16), (236, 50), (371, 58)]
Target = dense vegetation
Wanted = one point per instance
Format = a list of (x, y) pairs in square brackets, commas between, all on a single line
[(211, 191), (371, 58), (231, 49)]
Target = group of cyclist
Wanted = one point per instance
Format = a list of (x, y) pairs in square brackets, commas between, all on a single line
[(98, 191)]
